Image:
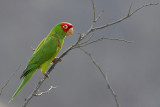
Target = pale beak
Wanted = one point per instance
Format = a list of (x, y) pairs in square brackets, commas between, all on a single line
[(69, 32)]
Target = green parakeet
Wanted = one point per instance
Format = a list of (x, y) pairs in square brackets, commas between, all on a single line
[(45, 52)]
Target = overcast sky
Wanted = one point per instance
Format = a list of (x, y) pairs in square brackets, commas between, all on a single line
[(133, 69)]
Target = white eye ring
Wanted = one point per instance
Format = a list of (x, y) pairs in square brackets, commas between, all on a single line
[(65, 26)]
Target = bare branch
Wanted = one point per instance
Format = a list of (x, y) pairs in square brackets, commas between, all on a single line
[(94, 13), (100, 39), (9, 80), (89, 38), (126, 17), (130, 9), (151, 4), (45, 92), (103, 74), (112, 91)]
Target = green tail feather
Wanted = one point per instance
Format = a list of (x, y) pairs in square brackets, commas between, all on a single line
[(25, 80)]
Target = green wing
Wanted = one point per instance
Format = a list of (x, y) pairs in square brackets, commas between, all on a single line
[(45, 50)]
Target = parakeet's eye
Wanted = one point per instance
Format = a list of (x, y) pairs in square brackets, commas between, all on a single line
[(65, 26)]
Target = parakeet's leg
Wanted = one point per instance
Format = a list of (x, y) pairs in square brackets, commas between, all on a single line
[(44, 67), (55, 59)]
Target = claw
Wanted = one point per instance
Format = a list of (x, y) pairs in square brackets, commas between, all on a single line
[(46, 75), (56, 59)]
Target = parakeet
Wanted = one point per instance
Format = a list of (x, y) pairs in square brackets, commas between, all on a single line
[(45, 53)]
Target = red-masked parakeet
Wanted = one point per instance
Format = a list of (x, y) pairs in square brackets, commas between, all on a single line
[(45, 53)]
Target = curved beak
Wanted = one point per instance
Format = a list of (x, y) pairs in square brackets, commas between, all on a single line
[(69, 32)]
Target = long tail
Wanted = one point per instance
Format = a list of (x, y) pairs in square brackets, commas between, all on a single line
[(25, 80)]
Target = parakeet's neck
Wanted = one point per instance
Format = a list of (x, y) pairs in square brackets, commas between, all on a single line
[(58, 33)]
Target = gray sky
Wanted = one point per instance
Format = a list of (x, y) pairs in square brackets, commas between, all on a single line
[(133, 69)]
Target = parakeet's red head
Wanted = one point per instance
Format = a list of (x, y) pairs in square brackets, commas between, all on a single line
[(67, 27)]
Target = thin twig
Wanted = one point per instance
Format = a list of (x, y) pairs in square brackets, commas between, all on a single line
[(112, 91), (94, 13), (94, 21), (126, 17), (130, 9), (103, 74), (151, 4), (89, 38), (45, 92), (100, 39), (9, 79)]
